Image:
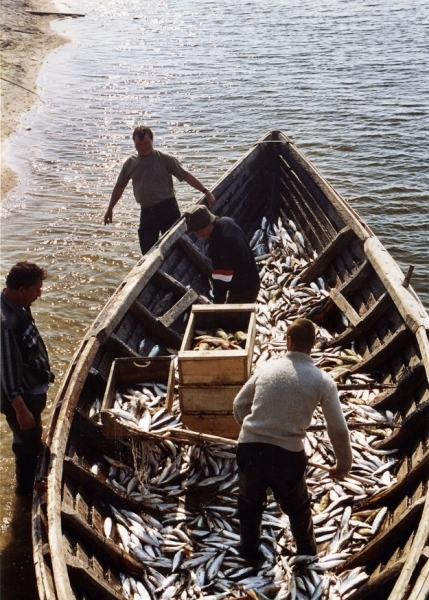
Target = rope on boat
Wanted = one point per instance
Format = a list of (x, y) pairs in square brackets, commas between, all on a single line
[(140, 448)]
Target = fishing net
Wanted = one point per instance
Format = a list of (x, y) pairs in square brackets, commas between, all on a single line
[(141, 449)]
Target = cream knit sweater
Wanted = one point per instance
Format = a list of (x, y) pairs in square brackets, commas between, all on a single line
[(277, 403)]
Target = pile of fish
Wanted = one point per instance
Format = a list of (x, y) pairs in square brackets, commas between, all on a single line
[(218, 339), (187, 532), (143, 406)]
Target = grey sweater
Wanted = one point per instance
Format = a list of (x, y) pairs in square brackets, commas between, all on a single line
[(277, 403)]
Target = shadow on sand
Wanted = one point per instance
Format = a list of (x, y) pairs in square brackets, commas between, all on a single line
[(17, 575)]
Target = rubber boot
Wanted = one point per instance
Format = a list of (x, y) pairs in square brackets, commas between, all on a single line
[(25, 473), (297, 506), (301, 526)]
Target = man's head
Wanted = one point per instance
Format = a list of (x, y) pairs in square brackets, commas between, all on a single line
[(24, 283), (143, 140), (301, 336), (200, 220)]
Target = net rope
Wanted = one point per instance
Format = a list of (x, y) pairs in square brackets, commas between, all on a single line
[(141, 450)]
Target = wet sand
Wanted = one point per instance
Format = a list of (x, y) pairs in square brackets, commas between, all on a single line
[(26, 40)]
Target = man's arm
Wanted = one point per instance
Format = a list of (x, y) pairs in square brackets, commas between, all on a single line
[(11, 378), (196, 183), (337, 431), (117, 192), (242, 405), (23, 415)]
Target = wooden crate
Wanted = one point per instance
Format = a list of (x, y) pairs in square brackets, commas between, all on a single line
[(210, 399), (134, 370), (223, 367), (213, 424)]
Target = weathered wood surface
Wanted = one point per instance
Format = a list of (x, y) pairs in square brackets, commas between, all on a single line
[(95, 540), (376, 587), (413, 556), (387, 541), (82, 575)]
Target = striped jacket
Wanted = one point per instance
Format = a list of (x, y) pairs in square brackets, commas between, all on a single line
[(24, 357)]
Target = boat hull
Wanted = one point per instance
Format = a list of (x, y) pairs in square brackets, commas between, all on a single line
[(364, 306)]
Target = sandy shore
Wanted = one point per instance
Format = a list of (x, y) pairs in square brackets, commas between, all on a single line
[(26, 40)]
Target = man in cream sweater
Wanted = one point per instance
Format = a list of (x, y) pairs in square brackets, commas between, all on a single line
[(274, 409)]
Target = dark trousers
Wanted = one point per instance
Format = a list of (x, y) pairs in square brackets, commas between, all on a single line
[(263, 466), (27, 443), (155, 220), (244, 296)]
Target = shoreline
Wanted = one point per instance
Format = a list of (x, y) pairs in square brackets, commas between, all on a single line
[(26, 41)]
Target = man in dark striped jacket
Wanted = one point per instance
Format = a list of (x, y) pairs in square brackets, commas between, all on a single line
[(25, 370)]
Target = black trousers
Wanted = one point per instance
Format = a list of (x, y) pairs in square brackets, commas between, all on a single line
[(155, 220), (263, 466), (27, 443), (243, 297)]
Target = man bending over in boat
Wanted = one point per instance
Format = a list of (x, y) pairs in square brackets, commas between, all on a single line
[(235, 275), (25, 370), (274, 409), (151, 172)]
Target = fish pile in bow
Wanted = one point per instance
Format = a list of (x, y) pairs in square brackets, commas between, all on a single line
[(187, 531)]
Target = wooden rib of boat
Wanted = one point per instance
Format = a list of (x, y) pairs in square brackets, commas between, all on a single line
[(366, 306)]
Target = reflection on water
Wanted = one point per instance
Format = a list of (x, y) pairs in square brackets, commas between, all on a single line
[(346, 81)]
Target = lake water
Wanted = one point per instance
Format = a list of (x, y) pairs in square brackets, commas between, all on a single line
[(347, 81)]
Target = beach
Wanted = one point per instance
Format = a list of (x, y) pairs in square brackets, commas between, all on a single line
[(26, 40)]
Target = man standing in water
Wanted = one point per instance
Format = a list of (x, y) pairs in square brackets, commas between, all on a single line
[(151, 172), (25, 370), (274, 409)]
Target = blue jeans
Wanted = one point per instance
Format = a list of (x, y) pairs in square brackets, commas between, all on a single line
[(155, 220), (263, 466)]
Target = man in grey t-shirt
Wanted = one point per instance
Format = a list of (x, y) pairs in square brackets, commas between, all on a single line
[(151, 173)]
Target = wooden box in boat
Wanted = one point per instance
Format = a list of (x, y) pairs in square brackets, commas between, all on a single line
[(207, 399), (133, 371), (218, 367), (224, 426)]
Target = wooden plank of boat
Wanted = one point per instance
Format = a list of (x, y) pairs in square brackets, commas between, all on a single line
[(364, 308), (105, 546), (384, 544), (397, 491), (376, 587)]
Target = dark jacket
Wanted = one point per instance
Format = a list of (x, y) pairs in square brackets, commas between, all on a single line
[(233, 263), (24, 357)]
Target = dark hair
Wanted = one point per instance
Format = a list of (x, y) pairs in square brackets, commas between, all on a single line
[(25, 274), (141, 131), (303, 333)]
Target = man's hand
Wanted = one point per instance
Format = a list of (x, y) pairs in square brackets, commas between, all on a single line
[(116, 196), (23, 415), (335, 474), (210, 198), (108, 217)]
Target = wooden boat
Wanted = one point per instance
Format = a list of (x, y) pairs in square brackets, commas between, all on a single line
[(369, 306)]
